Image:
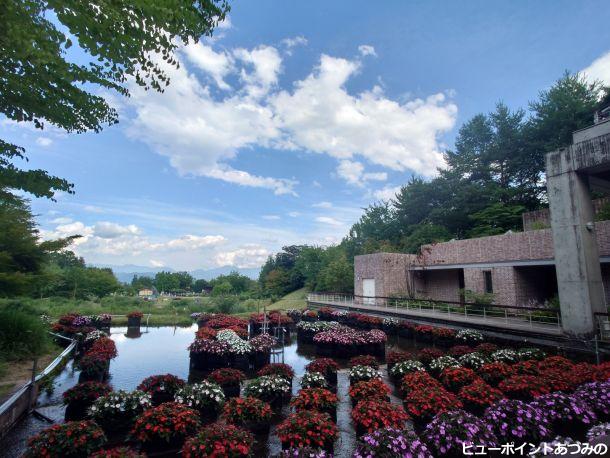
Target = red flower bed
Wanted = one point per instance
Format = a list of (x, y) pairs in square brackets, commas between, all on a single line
[(93, 363), (118, 452), (443, 333), (529, 367), (104, 346), (460, 350), (168, 422), (369, 321), (602, 372), (248, 410), (373, 389), (72, 439), (274, 318), (206, 333), (494, 373), (419, 380), (423, 330), (428, 354), (455, 378), (318, 399), (486, 348), (227, 376), (322, 365), (219, 441), (364, 360), (524, 387), (424, 404), (162, 388), (372, 415), (283, 370), (555, 363), (307, 428), (394, 357), (479, 395), (226, 322), (86, 392)]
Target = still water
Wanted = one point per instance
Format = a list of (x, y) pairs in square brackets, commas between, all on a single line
[(163, 350)]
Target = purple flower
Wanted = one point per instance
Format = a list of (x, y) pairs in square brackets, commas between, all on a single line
[(559, 406), (596, 395), (514, 420), (400, 443)]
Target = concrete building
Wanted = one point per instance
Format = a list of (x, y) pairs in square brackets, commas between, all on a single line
[(561, 252)]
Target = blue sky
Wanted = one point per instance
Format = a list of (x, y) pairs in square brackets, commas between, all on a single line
[(295, 116)]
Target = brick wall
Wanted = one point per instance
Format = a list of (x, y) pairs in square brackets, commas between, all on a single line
[(519, 246), (440, 285), (388, 269), (542, 217)]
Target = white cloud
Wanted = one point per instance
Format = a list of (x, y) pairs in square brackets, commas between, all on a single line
[(155, 263), (107, 230), (599, 69), (190, 242), (323, 204), (294, 214), (250, 255), (353, 173), (44, 141), (61, 220), (387, 193), (367, 50), (200, 131), (328, 220), (290, 43), (271, 217)]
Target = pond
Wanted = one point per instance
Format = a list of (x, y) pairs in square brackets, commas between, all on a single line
[(163, 350)]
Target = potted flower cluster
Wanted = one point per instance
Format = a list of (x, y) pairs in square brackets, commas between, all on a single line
[(281, 369), (229, 380), (250, 413), (239, 349), (505, 355), (208, 354), (206, 333), (443, 336), (134, 319), (423, 333), (222, 321), (80, 397), (294, 314), (597, 397), (448, 432), (424, 404), (165, 427), (494, 373), (478, 395), (161, 388), (454, 378), (309, 315), (469, 336), (517, 421), (524, 387), (218, 440), (364, 360), (566, 414), (318, 399), (270, 388), (117, 411), (372, 415), (315, 380), (347, 342), (205, 397), (306, 329), (474, 360), (373, 389), (308, 428), (91, 337), (416, 381), (360, 373), (74, 439), (118, 452), (427, 355), (95, 363), (438, 365), (102, 320), (261, 349), (328, 367), (304, 452), (394, 442), (399, 370), (487, 348), (390, 325), (395, 357)]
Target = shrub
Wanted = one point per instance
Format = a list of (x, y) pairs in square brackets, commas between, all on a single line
[(241, 411), (388, 442), (370, 390), (364, 360), (283, 370), (517, 421), (450, 431), (86, 392), (204, 395), (307, 428), (372, 415), (71, 439), (168, 422), (318, 399), (22, 335), (218, 440)]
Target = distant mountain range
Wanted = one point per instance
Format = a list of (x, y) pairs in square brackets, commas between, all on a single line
[(124, 273)]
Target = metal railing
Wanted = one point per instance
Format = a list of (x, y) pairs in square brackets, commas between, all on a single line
[(492, 314), (603, 326)]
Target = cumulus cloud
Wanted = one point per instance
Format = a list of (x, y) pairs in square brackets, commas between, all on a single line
[(247, 256), (201, 130), (599, 70), (328, 220), (386, 193), (155, 263), (293, 42), (107, 230), (367, 50), (44, 141)]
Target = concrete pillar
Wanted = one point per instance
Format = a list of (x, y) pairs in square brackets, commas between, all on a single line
[(579, 280)]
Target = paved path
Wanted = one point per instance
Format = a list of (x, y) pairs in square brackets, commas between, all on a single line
[(515, 324)]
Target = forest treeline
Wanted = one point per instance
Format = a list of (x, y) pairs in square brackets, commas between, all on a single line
[(494, 173)]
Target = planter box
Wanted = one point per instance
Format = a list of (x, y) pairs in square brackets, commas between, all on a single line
[(134, 321), (231, 391)]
